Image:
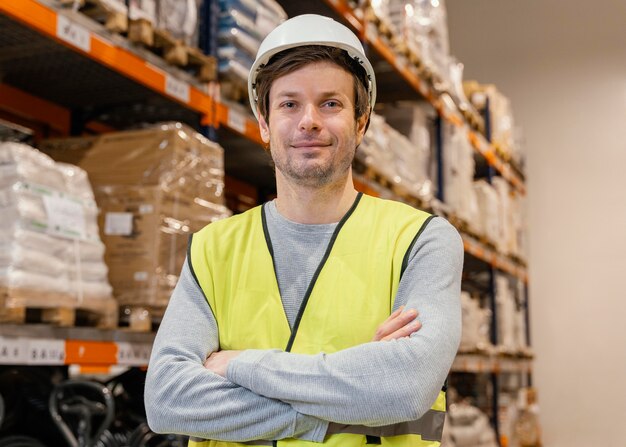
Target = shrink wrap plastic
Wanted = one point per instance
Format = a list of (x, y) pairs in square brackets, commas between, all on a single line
[(154, 187), (469, 427), (458, 174), (179, 18), (500, 216), (488, 217), (423, 26), (243, 25), (402, 160), (511, 321), (503, 133), (49, 237), (476, 325)]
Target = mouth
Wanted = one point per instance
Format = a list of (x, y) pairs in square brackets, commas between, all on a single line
[(310, 144)]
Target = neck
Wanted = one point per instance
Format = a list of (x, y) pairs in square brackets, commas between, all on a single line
[(314, 205)]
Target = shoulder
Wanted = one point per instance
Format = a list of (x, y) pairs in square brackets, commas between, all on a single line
[(392, 208), (439, 237)]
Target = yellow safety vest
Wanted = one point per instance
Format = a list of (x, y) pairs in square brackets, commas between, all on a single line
[(352, 292)]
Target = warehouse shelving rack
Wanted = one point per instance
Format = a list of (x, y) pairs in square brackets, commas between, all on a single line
[(61, 68), (415, 84), (86, 83)]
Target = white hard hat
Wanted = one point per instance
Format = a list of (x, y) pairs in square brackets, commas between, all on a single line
[(310, 29)]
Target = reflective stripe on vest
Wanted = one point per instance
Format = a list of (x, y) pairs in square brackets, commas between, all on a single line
[(363, 264)]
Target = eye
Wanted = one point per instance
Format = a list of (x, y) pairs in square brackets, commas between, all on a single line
[(332, 104), (288, 104)]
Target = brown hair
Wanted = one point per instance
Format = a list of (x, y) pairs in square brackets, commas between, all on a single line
[(293, 59)]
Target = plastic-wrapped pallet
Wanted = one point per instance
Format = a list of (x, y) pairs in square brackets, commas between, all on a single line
[(469, 427), (506, 243), (49, 240), (446, 436), (510, 339), (112, 13), (521, 226), (502, 121), (423, 27), (488, 217), (155, 187), (393, 156), (412, 123), (476, 325), (243, 25), (458, 174), (179, 18)]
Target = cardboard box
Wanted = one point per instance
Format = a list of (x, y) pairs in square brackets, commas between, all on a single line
[(154, 187)]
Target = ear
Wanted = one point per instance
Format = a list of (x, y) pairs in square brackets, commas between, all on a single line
[(361, 127), (264, 128)]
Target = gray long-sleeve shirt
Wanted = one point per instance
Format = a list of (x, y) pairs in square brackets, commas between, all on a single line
[(270, 394)]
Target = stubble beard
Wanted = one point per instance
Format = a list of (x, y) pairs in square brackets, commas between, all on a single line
[(315, 176)]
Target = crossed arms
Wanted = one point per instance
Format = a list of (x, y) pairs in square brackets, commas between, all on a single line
[(276, 395)]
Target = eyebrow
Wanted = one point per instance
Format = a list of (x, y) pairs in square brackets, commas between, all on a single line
[(293, 94)]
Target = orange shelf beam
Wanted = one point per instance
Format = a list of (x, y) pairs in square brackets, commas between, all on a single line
[(46, 21), (237, 121), (27, 106)]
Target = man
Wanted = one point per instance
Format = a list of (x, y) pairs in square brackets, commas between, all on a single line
[(287, 324)]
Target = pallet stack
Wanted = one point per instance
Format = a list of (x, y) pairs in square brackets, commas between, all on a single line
[(166, 27), (154, 187), (51, 258)]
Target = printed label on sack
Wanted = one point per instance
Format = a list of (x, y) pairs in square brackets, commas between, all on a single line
[(118, 224), (73, 33), (178, 89), (237, 121), (66, 217)]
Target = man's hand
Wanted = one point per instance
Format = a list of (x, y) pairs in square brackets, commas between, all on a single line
[(399, 324), (218, 361)]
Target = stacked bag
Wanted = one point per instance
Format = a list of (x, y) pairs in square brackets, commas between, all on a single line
[(468, 426), (403, 156), (49, 240), (476, 326)]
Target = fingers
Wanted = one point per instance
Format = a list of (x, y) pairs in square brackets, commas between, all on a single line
[(404, 331), (398, 324)]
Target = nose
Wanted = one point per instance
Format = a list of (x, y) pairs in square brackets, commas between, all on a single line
[(310, 119)]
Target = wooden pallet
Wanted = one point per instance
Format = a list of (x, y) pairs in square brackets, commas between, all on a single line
[(114, 20), (475, 121), (140, 318), (174, 51), (234, 91), (142, 32), (20, 306), (398, 190)]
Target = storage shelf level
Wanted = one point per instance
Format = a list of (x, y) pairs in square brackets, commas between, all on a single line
[(450, 114), (49, 345), (477, 363), (65, 57)]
